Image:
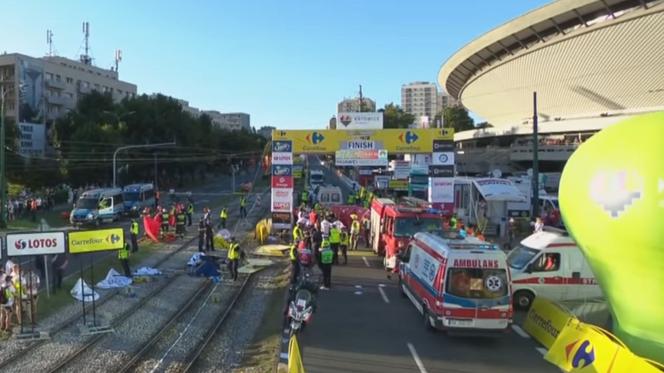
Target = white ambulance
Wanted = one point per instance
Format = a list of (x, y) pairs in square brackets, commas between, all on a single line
[(457, 284), (550, 264)]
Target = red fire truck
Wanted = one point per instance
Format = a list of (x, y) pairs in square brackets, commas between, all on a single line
[(393, 225)]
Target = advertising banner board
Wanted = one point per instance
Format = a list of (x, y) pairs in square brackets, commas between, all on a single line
[(43, 243), (95, 240)]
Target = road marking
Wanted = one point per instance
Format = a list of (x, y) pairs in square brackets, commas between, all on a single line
[(358, 286), (416, 357), (358, 293), (382, 294), (381, 285), (541, 350), (520, 331), (366, 262)]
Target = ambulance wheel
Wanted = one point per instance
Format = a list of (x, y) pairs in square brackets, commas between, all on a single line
[(426, 318), (523, 299), (401, 291)]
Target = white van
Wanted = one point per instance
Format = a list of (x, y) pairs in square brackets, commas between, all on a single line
[(457, 284), (329, 195), (550, 264), (97, 206)]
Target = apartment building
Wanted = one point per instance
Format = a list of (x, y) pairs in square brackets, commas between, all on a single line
[(230, 121)]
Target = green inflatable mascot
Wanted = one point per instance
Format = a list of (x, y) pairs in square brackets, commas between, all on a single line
[(612, 203)]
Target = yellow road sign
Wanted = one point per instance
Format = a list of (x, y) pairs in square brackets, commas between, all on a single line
[(395, 141)]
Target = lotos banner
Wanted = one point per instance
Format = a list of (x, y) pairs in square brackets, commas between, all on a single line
[(35, 243), (95, 240)]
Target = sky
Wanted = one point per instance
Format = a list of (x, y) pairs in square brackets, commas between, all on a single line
[(287, 63)]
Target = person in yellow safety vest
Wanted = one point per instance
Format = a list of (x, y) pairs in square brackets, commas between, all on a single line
[(326, 259), (295, 264), (354, 232), (335, 241), (133, 230), (233, 257), (304, 197), (6, 312), (123, 256), (190, 213), (298, 234), (223, 216), (344, 245), (363, 193), (243, 207), (164, 222)]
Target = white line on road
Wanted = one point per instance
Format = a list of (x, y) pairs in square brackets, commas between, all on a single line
[(541, 350), (366, 262), (517, 329), (416, 357), (382, 294)]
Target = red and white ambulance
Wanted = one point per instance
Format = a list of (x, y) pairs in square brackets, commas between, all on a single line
[(457, 284)]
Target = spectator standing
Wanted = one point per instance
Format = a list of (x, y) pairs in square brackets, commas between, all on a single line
[(59, 264)]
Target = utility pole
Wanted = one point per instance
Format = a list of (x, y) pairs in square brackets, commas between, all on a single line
[(535, 177), (3, 181), (361, 100), (156, 171), (115, 154)]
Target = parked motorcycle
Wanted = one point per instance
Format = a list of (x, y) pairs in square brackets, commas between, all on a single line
[(300, 311)]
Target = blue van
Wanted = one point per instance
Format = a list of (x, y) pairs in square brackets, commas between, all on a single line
[(137, 197), (97, 206)]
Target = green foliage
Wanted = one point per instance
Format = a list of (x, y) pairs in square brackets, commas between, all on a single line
[(395, 117), (457, 117), (87, 137), (483, 125)]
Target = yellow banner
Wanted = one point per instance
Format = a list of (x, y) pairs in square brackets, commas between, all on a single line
[(295, 364), (398, 184), (545, 320), (395, 141), (95, 240)]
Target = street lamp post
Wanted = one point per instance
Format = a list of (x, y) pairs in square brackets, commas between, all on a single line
[(115, 154)]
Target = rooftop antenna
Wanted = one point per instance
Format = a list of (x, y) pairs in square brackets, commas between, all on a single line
[(49, 41), (85, 58), (361, 100), (118, 58)]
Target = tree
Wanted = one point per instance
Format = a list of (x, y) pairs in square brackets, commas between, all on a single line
[(482, 125), (395, 117), (457, 117)]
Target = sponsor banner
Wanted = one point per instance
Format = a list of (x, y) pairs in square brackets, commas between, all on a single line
[(282, 158), (365, 171), (395, 141), (361, 145), (400, 169), (545, 320), (283, 146), (282, 182), (398, 185), (361, 157), (381, 181), (282, 200), (35, 243), (359, 121), (442, 159), (441, 190), (95, 240), (282, 170), (443, 146), (441, 171), (281, 220)]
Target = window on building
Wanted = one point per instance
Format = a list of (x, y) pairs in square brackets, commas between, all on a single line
[(58, 78), (70, 80), (49, 76)]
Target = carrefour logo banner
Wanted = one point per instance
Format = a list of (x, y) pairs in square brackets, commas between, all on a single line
[(95, 240), (35, 243)]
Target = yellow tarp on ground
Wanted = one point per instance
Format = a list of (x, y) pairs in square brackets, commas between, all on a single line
[(272, 250), (254, 265)]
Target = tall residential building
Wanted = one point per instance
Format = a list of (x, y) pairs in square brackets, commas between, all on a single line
[(230, 121), (420, 99), (41, 90), (194, 112), (352, 105)]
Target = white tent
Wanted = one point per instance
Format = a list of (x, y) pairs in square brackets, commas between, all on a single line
[(114, 280), (82, 292)]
